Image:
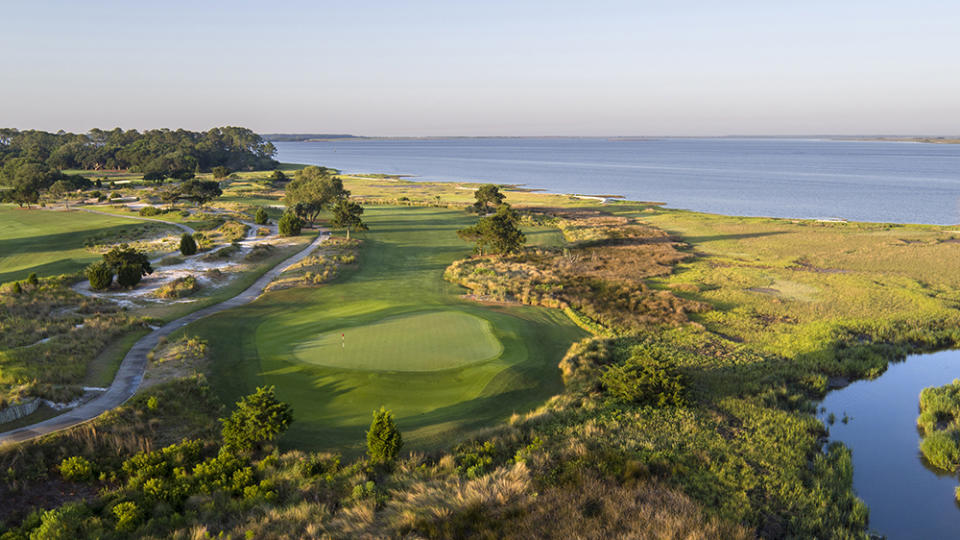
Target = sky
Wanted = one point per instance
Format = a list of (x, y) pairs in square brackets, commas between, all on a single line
[(418, 68)]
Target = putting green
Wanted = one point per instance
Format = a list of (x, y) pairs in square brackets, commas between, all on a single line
[(420, 342)]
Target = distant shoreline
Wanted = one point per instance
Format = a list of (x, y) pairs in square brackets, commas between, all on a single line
[(315, 137)]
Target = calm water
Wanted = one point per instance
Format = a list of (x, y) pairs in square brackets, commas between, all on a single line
[(863, 181), (906, 499)]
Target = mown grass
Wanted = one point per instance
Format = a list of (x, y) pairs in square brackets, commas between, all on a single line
[(400, 273), (51, 242)]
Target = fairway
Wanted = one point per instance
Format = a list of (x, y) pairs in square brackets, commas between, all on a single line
[(50, 242), (421, 342), (445, 365)]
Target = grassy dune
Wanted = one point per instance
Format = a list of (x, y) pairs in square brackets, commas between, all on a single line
[(444, 365)]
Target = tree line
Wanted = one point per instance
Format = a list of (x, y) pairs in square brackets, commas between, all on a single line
[(32, 161), (156, 150)]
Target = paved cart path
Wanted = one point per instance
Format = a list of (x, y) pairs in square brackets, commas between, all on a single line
[(130, 374)]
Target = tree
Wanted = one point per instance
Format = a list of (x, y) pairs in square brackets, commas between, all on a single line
[(259, 417), (182, 175), (59, 189), (188, 246), (220, 172), (128, 263), (290, 224), (26, 179), (100, 275), (313, 190), (499, 233), (156, 177), (488, 196), (383, 439), (346, 215), (199, 192), (261, 217)]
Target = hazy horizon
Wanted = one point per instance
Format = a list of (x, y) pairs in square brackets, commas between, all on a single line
[(435, 69)]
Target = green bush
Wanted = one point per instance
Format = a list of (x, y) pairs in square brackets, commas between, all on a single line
[(383, 439), (32, 279), (16, 288), (76, 469), (100, 275), (220, 172), (127, 515), (261, 217), (150, 211), (129, 263), (290, 225), (188, 246), (645, 381), (258, 418), (942, 449), (128, 275)]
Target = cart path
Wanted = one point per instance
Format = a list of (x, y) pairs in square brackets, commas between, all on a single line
[(130, 373)]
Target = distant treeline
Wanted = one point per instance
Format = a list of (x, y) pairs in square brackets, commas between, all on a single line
[(300, 137), (156, 150)]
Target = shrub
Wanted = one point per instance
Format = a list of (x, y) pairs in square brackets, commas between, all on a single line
[(16, 288), (130, 264), (258, 417), (178, 288), (127, 515), (941, 449), (100, 275), (150, 211), (290, 225), (278, 176), (645, 381), (383, 439), (188, 246), (76, 469), (261, 217), (220, 172), (128, 275), (32, 279)]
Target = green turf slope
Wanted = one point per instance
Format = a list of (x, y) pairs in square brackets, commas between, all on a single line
[(444, 365), (49, 242)]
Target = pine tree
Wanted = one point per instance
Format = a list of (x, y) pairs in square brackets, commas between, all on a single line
[(383, 439)]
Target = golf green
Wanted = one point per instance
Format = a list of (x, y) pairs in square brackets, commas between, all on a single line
[(420, 342), (407, 340)]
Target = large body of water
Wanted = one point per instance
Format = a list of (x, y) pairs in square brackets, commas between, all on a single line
[(795, 178), (907, 499)]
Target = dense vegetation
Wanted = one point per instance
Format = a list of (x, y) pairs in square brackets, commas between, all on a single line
[(154, 151), (939, 422), (31, 161)]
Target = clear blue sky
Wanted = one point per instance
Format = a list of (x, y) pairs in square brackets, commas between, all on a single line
[(485, 67)]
